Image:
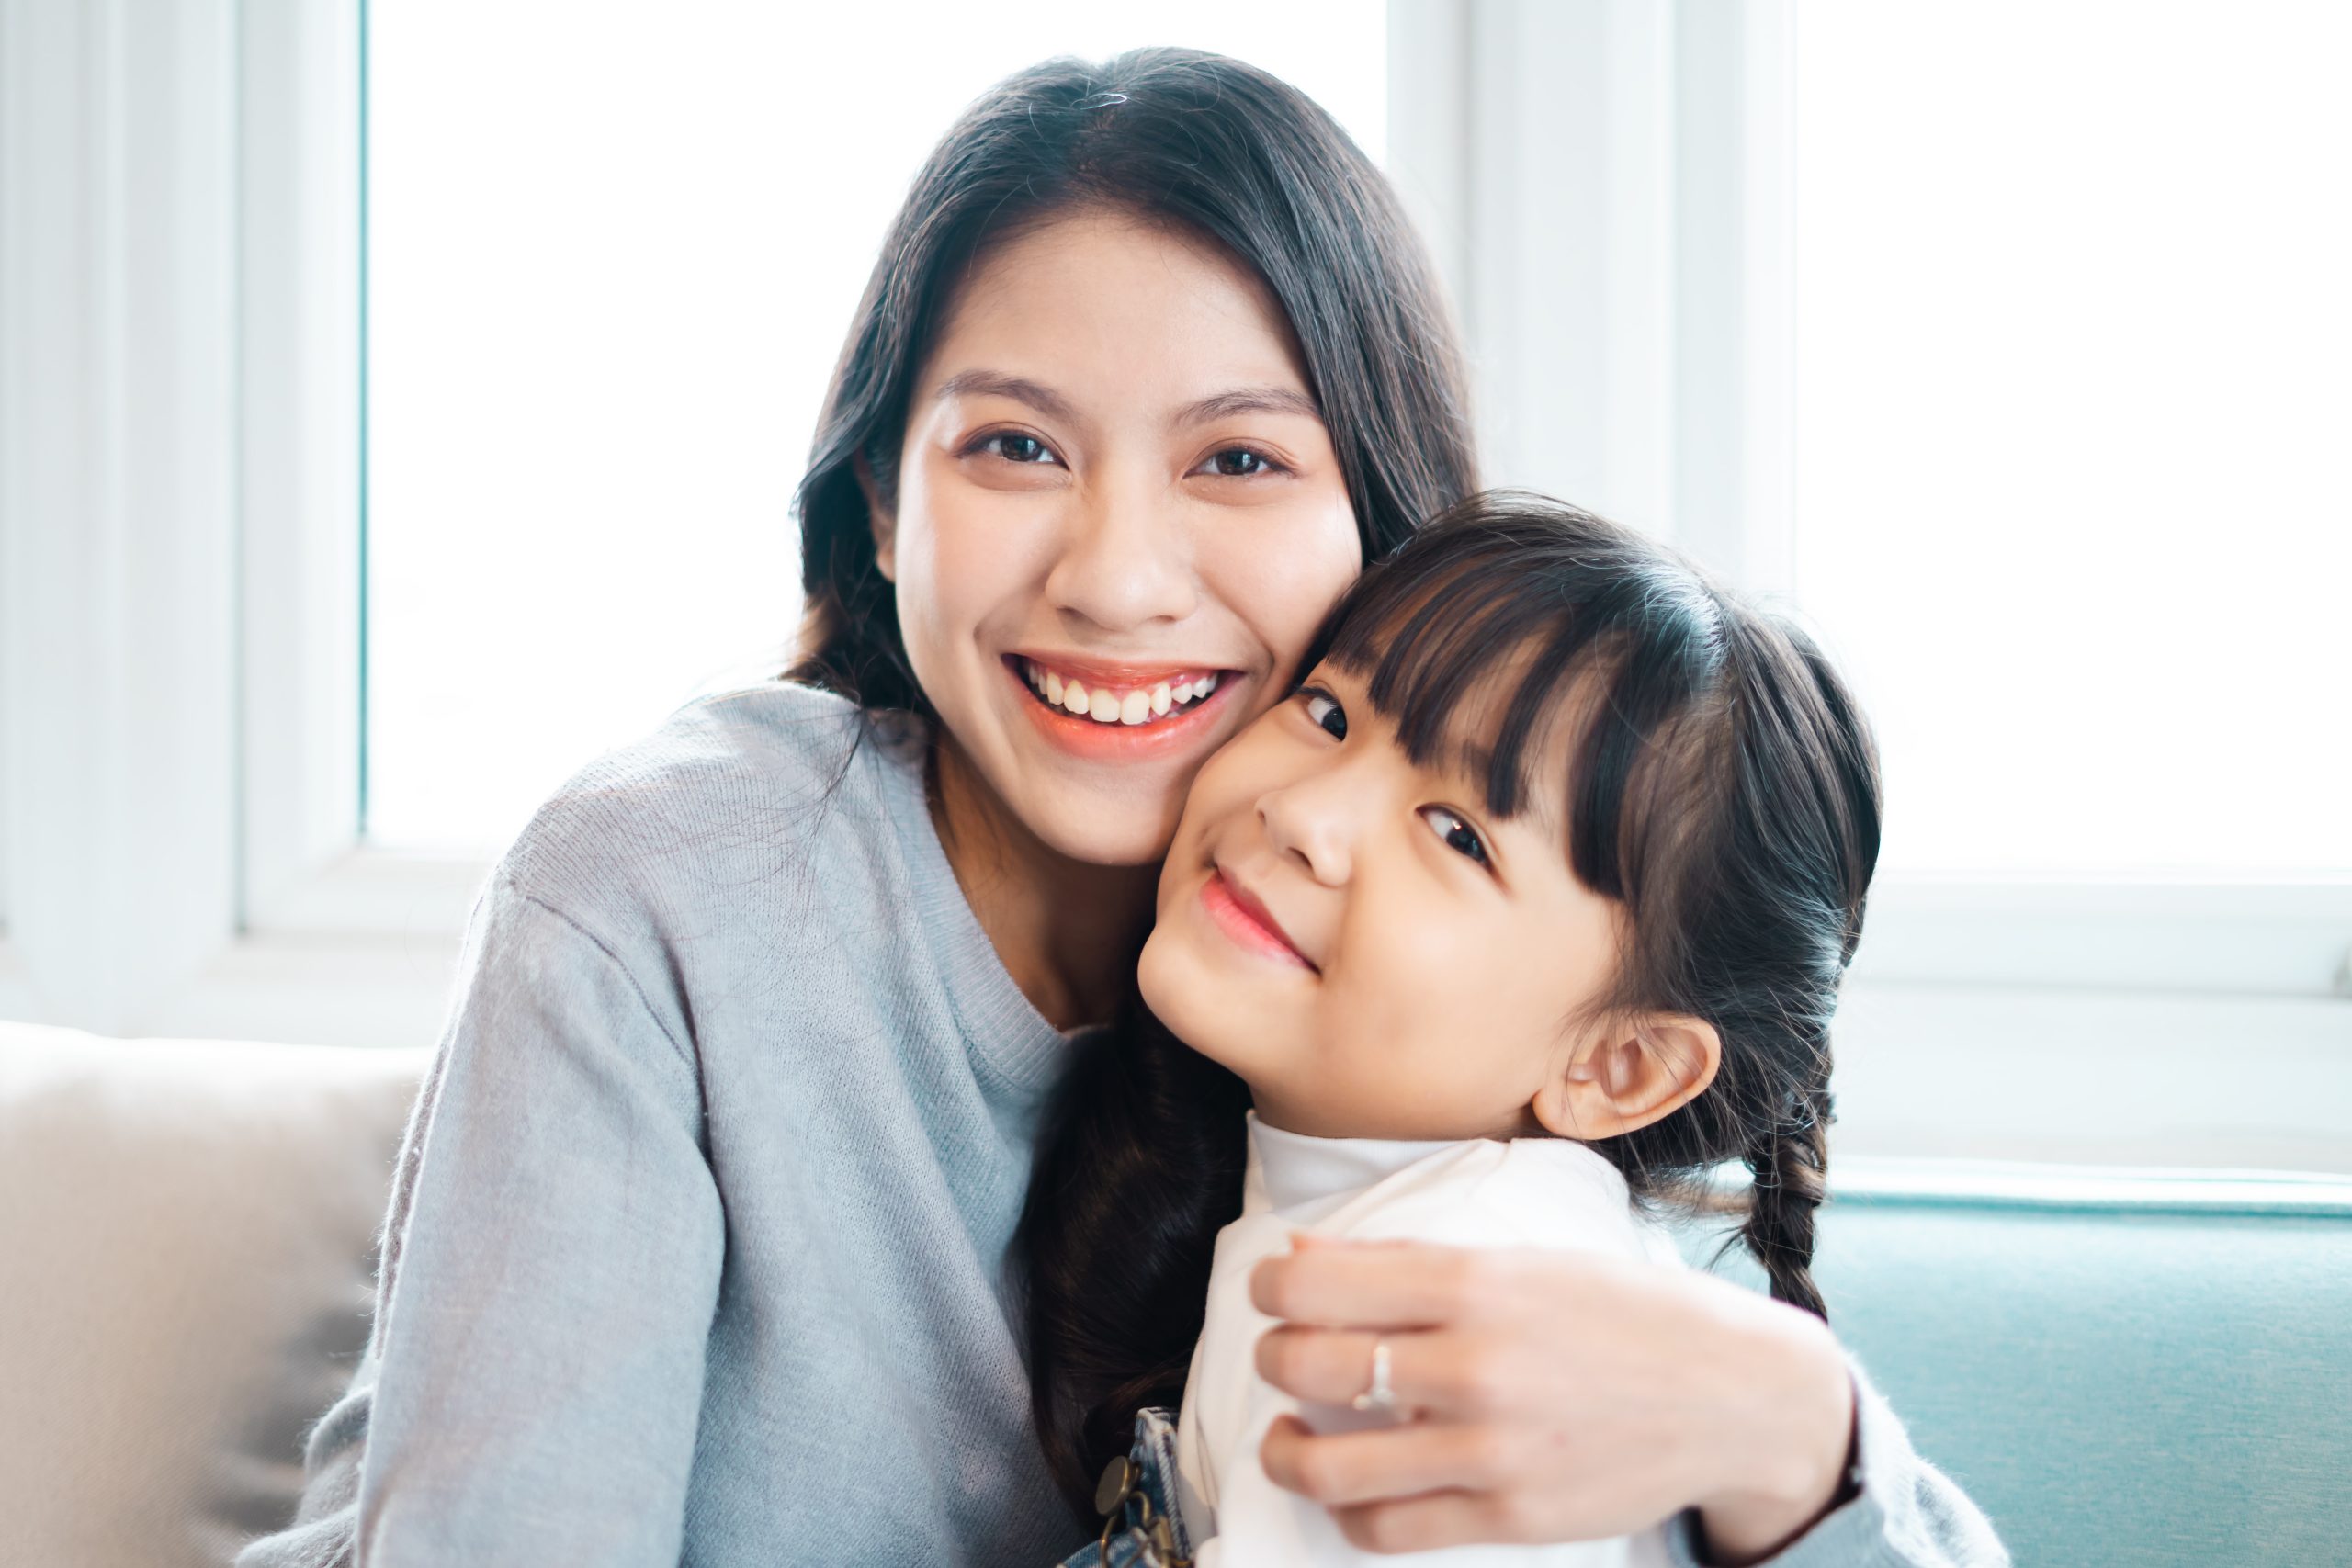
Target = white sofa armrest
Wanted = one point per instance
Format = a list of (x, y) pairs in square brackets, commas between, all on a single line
[(187, 1233)]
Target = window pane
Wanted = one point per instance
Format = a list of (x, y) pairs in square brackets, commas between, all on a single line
[(2072, 415), (612, 255)]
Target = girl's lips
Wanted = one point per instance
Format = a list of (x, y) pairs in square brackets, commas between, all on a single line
[(1248, 922), (1184, 729)]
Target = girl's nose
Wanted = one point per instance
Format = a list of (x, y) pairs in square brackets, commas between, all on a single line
[(1126, 561), (1313, 822)]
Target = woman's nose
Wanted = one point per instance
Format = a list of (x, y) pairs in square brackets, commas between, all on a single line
[(1126, 562), (1313, 822)]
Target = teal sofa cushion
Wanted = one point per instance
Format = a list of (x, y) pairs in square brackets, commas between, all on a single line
[(2120, 1367)]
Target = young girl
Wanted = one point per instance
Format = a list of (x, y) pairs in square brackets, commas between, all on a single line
[(1528, 906)]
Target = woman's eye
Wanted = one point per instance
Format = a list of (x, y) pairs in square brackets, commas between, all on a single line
[(1327, 715), (1459, 836), (1014, 447), (1240, 463)]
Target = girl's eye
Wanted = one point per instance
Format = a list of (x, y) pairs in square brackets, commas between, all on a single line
[(1014, 447), (1459, 836), (1240, 463), (1325, 713)]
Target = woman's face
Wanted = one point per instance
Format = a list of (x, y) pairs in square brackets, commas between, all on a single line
[(1119, 520)]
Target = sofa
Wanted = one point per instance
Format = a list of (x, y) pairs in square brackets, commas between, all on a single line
[(2123, 1368)]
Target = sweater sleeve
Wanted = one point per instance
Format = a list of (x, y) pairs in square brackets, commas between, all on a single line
[(550, 1262), (1909, 1514)]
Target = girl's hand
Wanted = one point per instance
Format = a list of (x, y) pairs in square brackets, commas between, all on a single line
[(1557, 1396)]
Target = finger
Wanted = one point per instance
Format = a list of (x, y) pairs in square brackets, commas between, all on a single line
[(1451, 1374), (1436, 1519), (1394, 1285), (1332, 1366), (1301, 1240), (1341, 1468)]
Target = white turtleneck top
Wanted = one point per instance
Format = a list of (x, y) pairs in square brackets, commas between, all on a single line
[(1475, 1193)]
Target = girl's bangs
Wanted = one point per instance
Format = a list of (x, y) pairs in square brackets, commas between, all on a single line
[(1466, 670), (1495, 654)]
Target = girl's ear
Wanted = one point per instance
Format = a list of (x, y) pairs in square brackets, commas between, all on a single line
[(1628, 1074), (879, 518)]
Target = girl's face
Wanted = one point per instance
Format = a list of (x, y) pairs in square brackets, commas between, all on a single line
[(1361, 942), (1119, 521)]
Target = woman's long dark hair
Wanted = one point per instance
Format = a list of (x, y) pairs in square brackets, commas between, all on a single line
[(1217, 148), (1723, 786)]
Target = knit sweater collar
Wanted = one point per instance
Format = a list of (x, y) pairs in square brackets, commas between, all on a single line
[(1015, 1044)]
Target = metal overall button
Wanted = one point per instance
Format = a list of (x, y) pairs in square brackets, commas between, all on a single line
[(1153, 1534), (1118, 1481)]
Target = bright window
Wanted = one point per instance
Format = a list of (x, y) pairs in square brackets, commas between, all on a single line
[(612, 257), (2072, 413)]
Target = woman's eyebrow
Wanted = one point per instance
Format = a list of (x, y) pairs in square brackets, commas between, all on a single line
[(1046, 400), (996, 384), (1249, 400)]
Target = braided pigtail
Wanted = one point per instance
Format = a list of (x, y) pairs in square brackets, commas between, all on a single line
[(1791, 1165), (1746, 862)]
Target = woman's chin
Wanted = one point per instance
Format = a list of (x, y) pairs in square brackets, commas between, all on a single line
[(1086, 827), (1113, 849)]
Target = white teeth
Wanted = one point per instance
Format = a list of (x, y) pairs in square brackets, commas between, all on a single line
[(1106, 707)]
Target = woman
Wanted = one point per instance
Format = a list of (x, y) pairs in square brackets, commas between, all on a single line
[(700, 1245)]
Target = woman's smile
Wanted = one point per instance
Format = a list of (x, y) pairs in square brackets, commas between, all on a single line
[(1104, 711)]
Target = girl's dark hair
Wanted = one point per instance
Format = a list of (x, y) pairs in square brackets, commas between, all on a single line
[(1721, 785), (1217, 148)]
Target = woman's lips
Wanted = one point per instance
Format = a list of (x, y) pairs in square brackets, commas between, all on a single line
[(1181, 729), (1247, 922)]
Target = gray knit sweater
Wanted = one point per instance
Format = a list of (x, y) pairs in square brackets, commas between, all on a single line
[(698, 1249)]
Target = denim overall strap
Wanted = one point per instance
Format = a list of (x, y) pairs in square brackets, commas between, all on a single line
[(1137, 1494)]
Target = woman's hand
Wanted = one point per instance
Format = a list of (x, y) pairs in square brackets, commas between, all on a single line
[(1557, 1396)]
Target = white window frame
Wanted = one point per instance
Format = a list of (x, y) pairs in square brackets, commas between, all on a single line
[(310, 876), (180, 843), (1605, 183), (1612, 208), (118, 497)]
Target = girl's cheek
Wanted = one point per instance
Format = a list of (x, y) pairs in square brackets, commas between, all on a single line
[(1221, 791), (1417, 955)]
